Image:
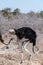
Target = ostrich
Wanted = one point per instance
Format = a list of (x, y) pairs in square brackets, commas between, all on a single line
[(30, 35)]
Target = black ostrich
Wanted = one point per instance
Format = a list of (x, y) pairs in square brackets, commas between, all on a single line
[(29, 34)]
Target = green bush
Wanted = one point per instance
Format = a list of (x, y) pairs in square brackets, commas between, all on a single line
[(16, 11)]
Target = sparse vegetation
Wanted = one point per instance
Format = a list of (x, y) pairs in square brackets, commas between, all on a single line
[(22, 19), (11, 56)]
